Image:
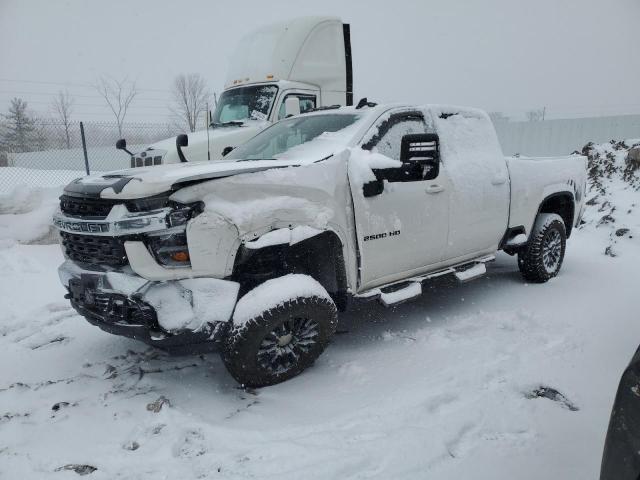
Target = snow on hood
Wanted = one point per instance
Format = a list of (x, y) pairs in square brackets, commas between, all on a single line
[(153, 180), (144, 182)]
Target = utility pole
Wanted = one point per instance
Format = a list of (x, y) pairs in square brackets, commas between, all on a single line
[(207, 122), (544, 111)]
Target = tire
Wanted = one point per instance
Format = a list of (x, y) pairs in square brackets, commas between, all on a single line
[(279, 342), (542, 257)]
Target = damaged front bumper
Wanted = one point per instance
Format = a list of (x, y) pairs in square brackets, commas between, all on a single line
[(164, 314)]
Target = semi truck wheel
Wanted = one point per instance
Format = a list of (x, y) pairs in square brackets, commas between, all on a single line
[(542, 257), (277, 343)]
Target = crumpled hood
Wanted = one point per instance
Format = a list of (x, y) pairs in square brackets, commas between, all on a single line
[(148, 181), (145, 182)]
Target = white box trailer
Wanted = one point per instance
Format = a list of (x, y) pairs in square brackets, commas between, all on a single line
[(304, 63)]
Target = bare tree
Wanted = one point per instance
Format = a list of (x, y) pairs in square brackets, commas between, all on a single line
[(535, 115), (62, 106), (190, 97), (118, 94)]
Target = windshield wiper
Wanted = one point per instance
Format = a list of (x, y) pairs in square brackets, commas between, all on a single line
[(233, 123)]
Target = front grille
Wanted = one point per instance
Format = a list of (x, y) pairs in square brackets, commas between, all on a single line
[(145, 161), (99, 208), (107, 251), (86, 207)]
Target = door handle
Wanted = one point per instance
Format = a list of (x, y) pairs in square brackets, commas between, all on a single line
[(434, 188)]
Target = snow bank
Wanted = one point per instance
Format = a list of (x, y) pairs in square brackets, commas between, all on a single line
[(613, 195), (275, 292), (25, 215)]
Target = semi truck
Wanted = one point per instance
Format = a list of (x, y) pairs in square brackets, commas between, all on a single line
[(278, 70)]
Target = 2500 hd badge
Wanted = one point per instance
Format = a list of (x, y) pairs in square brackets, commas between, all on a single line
[(378, 236)]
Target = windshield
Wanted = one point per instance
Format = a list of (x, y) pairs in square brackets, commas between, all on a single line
[(240, 104), (289, 133)]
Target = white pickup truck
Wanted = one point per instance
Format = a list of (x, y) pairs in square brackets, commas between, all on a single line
[(258, 251), (302, 63)]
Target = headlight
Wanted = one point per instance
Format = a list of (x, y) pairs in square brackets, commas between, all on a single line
[(170, 249), (181, 214)]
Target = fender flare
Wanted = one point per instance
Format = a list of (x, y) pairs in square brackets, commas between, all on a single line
[(568, 218)]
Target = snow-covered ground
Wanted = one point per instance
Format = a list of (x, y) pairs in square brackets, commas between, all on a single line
[(448, 386)]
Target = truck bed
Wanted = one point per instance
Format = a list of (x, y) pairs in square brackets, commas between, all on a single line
[(534, 179)]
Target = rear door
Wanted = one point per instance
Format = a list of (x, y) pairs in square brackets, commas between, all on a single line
[(479, 195), (403, 230)]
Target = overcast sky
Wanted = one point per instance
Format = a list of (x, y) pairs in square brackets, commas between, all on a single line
[(576, 58)]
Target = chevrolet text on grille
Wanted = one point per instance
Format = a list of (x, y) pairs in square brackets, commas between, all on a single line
[(76, 226), (118, 222)]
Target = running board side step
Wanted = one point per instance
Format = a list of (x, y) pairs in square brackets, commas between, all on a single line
[(400, 295), (406, 290), (477, 270)]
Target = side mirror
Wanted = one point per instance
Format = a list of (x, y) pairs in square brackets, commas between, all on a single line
[(182, 140), (122, 145), (421, 151), (291, 106), (373, 188), (226, 150)]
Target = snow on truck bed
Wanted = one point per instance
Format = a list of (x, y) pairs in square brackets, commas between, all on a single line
[(451, 385)]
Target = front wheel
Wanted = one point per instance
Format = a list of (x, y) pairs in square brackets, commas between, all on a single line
[(279, 329), (542, 258)]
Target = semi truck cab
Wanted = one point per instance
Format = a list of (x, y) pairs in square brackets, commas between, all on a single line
[(278, 70)]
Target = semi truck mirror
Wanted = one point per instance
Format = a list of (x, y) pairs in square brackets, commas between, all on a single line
[(291, 106), (182, 140), (122, 145)]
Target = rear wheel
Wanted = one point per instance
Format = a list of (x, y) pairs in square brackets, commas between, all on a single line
[(542, 258), (279, 342)]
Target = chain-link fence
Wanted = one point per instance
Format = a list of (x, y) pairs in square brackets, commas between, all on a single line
[(50, 153)]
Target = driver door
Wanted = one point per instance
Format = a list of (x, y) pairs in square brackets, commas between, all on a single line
[(402, 230)]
